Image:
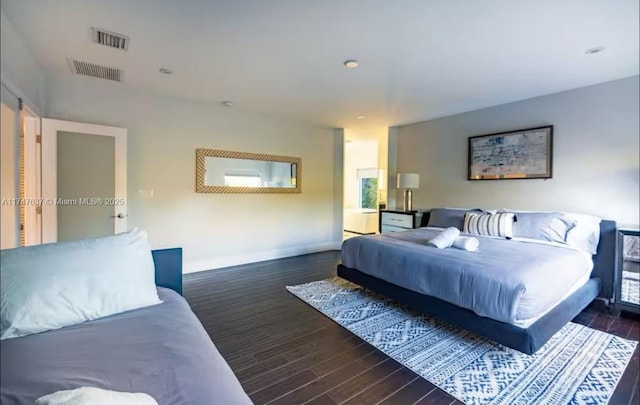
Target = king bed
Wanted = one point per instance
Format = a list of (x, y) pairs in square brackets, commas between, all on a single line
[(516, 291)]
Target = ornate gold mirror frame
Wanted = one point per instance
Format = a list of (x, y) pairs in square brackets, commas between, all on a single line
[(201, 187)]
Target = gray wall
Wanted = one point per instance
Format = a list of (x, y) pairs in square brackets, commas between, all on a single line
[(338, 181), (596, 160)]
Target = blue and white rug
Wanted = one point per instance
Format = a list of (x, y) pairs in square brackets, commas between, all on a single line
[(579, 365)]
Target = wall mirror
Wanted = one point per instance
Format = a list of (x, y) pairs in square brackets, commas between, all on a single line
[(628, 271), (222, 171)]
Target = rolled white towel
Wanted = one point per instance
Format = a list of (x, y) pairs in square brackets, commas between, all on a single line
[(467, 243), (445, 238), (95, 396)]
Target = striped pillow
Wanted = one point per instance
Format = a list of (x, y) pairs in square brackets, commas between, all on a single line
[(489, 224)]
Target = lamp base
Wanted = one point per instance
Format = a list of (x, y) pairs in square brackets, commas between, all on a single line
[(407, 204)]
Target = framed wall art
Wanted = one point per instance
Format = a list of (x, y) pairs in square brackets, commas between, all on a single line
[(522, 154)]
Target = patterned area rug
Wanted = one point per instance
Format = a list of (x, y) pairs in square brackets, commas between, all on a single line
[(579, 365)]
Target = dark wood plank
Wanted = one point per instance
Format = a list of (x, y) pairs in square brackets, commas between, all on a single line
[(330, 364), (241, 361), (337, 377), (602, 321), (278, 374), (635, 398), (261, 367), (321, 400), (363, 381), (283, 387), (410, 393), (299, 345), (436, 397), (634, 332), (282, 349), (627, 382), (302, 351), (620, 327)]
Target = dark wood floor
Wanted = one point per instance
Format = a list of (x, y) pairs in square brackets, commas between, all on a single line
[(285, 352)]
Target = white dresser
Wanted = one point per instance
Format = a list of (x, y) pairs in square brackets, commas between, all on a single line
[(394, 221)]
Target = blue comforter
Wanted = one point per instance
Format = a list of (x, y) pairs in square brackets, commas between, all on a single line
[(506, 280)]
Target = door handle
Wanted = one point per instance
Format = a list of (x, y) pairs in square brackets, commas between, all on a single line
[(118, 216)]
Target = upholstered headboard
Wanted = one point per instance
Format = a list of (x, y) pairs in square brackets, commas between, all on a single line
[(605, 258), (168, 264)]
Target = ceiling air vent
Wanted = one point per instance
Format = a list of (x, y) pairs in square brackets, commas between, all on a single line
[(110, 39), (91, 69)]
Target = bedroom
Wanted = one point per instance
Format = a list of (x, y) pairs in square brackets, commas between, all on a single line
[(282, 67)]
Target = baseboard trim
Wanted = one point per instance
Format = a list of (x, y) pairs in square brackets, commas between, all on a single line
[(194, 266)]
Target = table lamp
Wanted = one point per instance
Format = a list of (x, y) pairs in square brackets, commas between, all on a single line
[(408, 181)]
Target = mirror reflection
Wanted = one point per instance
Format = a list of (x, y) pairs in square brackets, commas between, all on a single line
[(630, 291), (248, 173), (219, 171)]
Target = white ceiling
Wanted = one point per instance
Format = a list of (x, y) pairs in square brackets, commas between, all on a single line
[(418, 59)]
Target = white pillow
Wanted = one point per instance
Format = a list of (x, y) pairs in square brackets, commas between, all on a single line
[(95, 396), (584, 236), (50, 286)]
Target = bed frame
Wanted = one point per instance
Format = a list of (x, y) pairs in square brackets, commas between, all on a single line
[(168, 264), (526, 340)]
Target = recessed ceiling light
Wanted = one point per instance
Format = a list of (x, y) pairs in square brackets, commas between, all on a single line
[(165, 71), (360, 117), (228, 103), (597, 49), (351, 63)]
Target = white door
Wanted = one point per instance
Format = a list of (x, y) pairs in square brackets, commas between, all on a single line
[(84, 180)]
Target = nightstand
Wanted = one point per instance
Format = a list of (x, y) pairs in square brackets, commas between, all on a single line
[(395, 221), (627, 277)]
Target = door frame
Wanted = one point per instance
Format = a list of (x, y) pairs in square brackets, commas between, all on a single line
[(50, 128), (31, 181)]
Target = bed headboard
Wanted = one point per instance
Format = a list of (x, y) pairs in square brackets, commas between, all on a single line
[(605, 258), (168, 264)]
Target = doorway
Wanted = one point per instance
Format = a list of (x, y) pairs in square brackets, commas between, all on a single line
[(84, 180), (360, 187), (10, 182), (20, 183)]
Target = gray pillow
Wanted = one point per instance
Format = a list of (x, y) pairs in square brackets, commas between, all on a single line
[(549, 226), (449, 217)]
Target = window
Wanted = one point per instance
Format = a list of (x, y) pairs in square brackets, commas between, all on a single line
[(243, 179), (368, 188)]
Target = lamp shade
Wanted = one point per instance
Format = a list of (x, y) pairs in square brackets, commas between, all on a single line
[(382, 179), (408, 180)]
